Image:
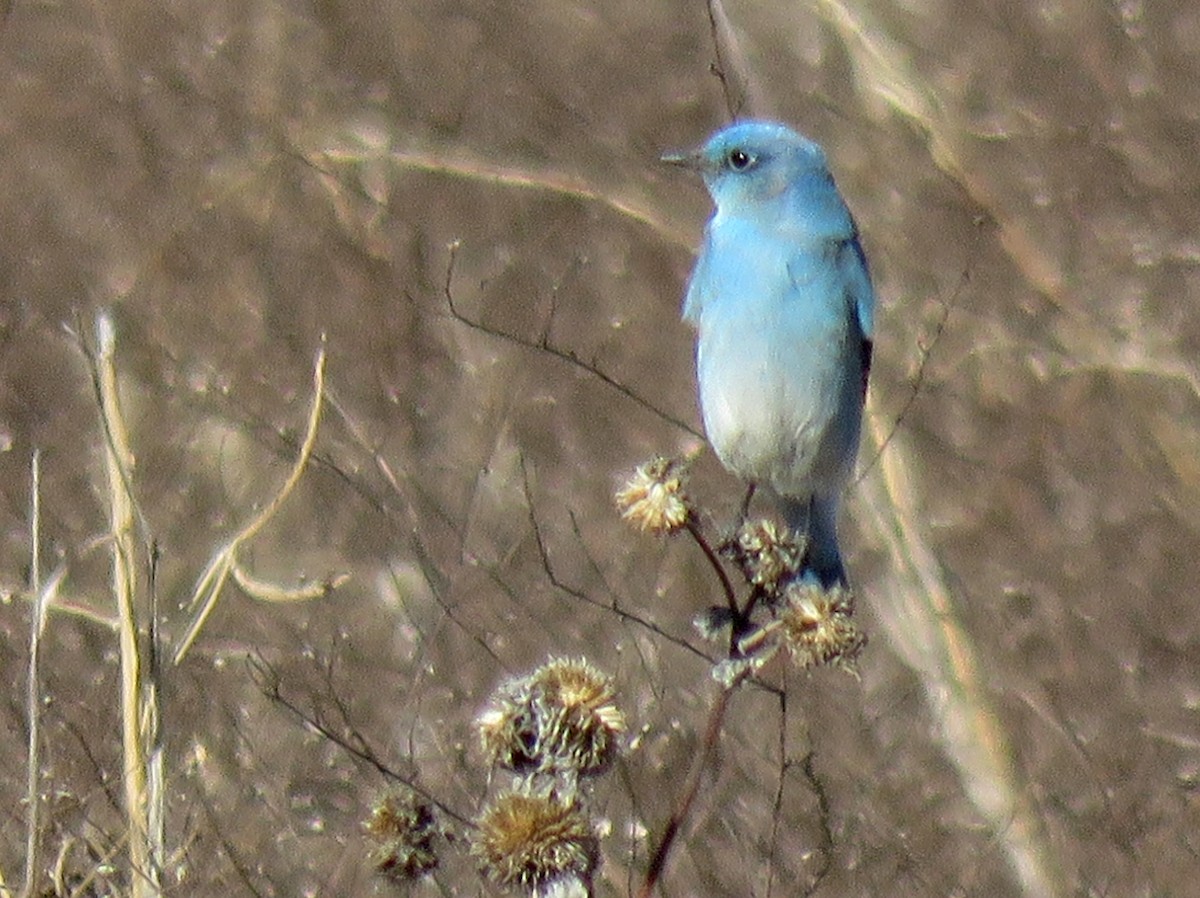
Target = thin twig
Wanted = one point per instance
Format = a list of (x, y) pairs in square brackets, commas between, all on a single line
[(805, 764), (719, 69), (231, 852), (683, 806), (269, 683), (101, 863), (542, 344), (777, 807), (726, 585), (925, 348), (438, 585), (87, 745), (826, 848), (580, 595)]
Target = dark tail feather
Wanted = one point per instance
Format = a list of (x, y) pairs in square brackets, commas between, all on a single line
[(817, 518)]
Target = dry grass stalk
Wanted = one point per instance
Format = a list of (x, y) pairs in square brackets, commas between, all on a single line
[(224, 563), (36, 626), (43, 596), (139, 711)]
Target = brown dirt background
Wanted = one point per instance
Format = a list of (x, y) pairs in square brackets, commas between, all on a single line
[(235, 179)]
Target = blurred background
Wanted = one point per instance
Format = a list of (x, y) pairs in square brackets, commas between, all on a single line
[(234, 180)]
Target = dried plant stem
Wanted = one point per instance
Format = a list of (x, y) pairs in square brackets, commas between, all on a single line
[(719, 569), (224, 563), (683, 805), (139, 711), (728, 63), (37, 623), (457, 161), (925, 627)]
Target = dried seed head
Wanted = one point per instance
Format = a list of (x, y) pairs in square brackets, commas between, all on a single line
[(560, 717), (508, 727), (402, 827), (579, 726), (654, 500), (768, 555), (576, 685), (817, 627), (534, 840)]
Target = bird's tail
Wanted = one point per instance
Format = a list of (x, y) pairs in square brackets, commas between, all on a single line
[(816, 517)]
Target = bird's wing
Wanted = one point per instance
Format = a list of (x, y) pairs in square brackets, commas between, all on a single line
[(699, 284), (856, 274)]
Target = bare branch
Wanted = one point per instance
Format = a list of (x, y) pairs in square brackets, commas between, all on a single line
[(543, 344), (683, 806), (925, 349), (582, 596), (269, 683), (826, 847), (718, 23)]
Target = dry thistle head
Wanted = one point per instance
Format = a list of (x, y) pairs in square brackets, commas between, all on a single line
[(579, 726), (534, 841), (654, 499), (560, 717), (402, 827), (508, 727), (768, 555), (816, 626)]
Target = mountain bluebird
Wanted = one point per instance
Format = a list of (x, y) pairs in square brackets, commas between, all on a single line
[(782, 302)]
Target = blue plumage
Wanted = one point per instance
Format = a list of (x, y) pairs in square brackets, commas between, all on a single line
[(782, 302)]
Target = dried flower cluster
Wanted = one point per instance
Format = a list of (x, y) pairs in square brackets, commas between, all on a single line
[(531, 840), (550, 727), (784, 609), (654, 498), (816, 626), (403, 828), (769, 556), (558, 718)]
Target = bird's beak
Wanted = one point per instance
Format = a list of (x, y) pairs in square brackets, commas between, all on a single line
[(690, 159)]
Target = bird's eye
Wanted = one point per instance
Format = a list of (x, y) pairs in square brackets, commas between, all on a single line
[(739, 160)]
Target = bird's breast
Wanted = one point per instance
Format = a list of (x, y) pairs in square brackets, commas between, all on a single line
[(780, 367)]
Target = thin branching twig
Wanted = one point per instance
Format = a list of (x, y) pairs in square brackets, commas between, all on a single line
[(925, 347), (543, 344), (270, 684), (823, 812), (691, 787), (558, 583)]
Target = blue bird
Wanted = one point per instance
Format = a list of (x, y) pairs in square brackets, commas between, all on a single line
[(782, 303)]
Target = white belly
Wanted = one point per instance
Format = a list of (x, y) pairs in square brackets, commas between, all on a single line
[(781, 396)]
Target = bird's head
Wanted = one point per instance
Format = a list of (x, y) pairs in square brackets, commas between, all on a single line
[(752, 167)]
